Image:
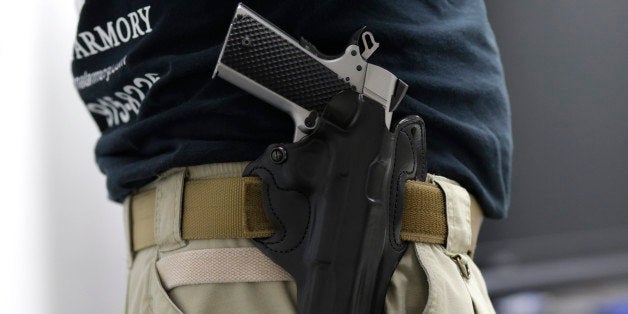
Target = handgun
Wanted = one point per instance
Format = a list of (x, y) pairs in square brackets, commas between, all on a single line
[(295, 77)]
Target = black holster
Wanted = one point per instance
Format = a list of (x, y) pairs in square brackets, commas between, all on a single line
[(335, 199)]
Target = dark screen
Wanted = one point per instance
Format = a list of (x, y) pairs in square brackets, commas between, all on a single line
[(565, 64)]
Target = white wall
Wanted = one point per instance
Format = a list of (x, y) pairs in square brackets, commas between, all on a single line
[(63, 240)]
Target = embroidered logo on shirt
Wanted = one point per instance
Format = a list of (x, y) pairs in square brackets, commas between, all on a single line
[(112, 34)]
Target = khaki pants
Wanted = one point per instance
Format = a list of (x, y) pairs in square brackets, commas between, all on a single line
[(429, 279)]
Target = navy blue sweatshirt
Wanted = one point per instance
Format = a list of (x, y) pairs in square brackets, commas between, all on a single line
[(144, 70)]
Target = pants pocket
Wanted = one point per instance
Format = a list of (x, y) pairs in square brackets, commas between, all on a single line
[(455, 284), (407, 291), (226, 280), (145, 294), (161, 301), (236, 298)]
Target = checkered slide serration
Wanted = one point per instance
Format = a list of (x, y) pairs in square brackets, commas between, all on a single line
[(265, 57)]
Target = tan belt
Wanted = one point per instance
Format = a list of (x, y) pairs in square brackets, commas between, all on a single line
[(232, 208)]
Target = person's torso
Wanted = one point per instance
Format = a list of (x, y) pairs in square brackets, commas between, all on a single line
[(144, 70)]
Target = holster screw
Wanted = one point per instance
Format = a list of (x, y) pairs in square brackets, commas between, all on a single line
[(278, 155)]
